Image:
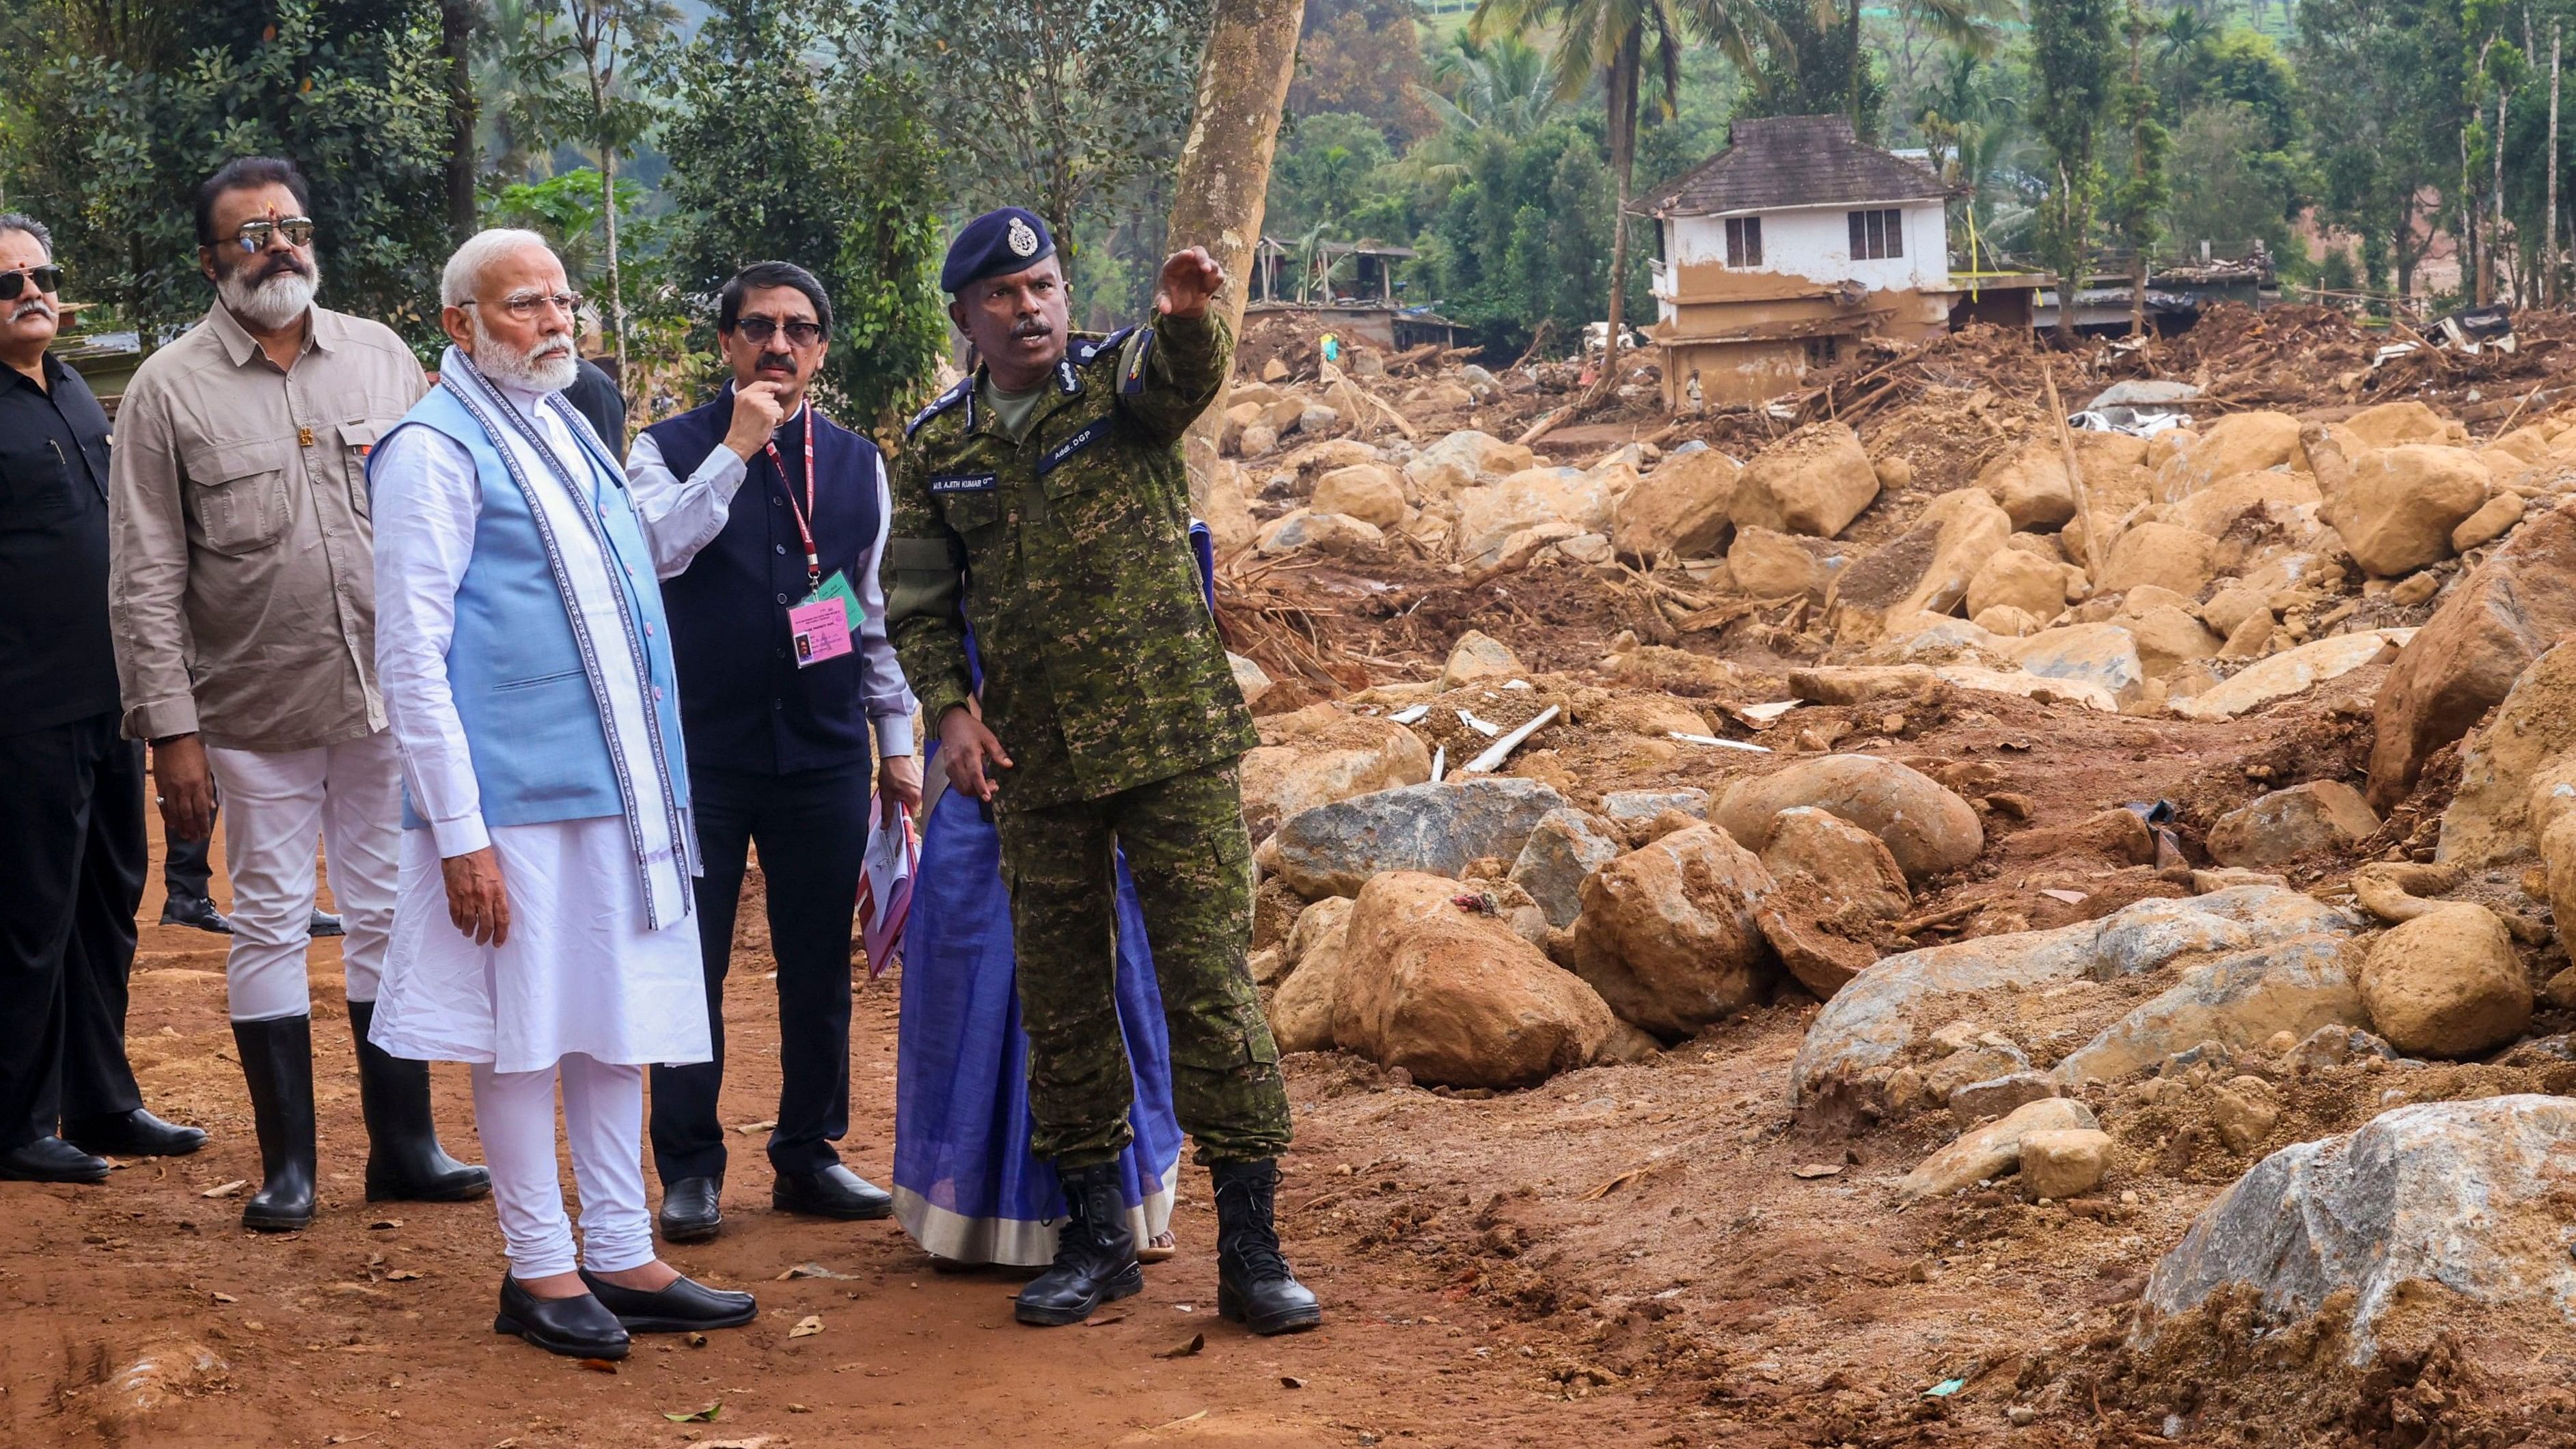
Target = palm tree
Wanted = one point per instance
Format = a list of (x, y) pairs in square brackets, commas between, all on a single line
[(1965, 24), (1500, 85), (1614, 39)]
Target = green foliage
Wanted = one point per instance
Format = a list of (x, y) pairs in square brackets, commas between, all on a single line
[(1525, 240), (2387, 103), (1815, 65), (2237, 192), (565, 210), (118, 115), (823, 160), (1330, 173), (2074, 58), (1363, 57), (2136, 205)]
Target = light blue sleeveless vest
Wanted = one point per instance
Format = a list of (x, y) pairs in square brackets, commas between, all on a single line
[(514, 664)]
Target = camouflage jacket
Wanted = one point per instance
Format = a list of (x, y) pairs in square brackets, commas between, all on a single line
[(1067, 554)]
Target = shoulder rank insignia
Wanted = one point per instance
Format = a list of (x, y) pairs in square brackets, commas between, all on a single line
[(1131, 367), (961, 392)]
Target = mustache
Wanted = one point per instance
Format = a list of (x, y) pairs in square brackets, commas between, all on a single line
[(1034, 327), (31, 307), (780, 360), (551, 347)]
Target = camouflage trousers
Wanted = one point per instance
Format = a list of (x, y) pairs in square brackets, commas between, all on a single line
[(1192, 864)]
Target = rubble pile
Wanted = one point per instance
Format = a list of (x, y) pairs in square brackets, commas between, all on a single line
[(1576, 759)]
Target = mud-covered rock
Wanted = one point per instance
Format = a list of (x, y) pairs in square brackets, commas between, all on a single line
[(2491, 820), (2447, 983), (1994, 1150), (1849, 865), (2293, 671), (1667, 933), (1814, 481), (1333, 758), (2399, 505), (2392, 1227), (1925, 570), (2238, 1000), (2280, 827), (1682, 510), (1927, 828), (2060, 1163)]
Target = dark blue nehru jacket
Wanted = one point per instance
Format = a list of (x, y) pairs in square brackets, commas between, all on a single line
[(744, 705)]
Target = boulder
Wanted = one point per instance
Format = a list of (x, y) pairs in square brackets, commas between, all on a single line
[(2491, 820), (1368, 492), (2030, 484), (1860, 684), (2393, 1228), (2284, 825), (1462, 460), (2212, 509), (1627, 809), (1354, 755), (2030, 686), (1563, 852), (1520, 550), (1667, 934), (1994, 1150), (1850, 865), (2244, 1110), (1814, 481), (2295, 671), (2014, 579), (1999, 1096), (2492, 521), (1332, 850), (1770, 565), (1925, 570), (2006, 622), (2399, 505), (2105, 655), (1331, 533), (1489, 515), (2447, 984), (2168, 638), (2238, 443), (1257, 439), (2164, 554), (2059, 1163), (1453, 996), (2392, 423), (1228, 511), (1813, 936), (1682, 509), (2232, 605), (1301, 1009), (1885, 1020), (1926, 828), (2494, 623), (2238, 1000), (1480, 658)]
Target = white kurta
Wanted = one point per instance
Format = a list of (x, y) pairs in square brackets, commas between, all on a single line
[(580, 971)]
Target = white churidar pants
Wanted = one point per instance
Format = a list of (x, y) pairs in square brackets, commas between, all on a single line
[(275, 807), (603, 1109)]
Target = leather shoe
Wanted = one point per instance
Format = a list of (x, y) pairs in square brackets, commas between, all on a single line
[(835, 1192), (133, 1134), (51, 1159), (579, 1327), (676, 1307), (197, 911), (691, 1212), (324, 923)]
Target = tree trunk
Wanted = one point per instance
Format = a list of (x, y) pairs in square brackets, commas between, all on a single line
[(2549, 236), (2137, 292), (1222, 180), (1626, 74), (2495, 219), (1851, 38), (616, 282), (456, 27)]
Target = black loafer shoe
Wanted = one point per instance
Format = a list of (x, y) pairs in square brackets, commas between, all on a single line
[(679, 1306), (691, 1212), (197, 911), (324, 924), (835, 1192), (51, 1159), (574, 1327), (133, 1134)]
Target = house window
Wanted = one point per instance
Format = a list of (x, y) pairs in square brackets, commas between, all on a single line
[(1877, 234), (1744, 241)]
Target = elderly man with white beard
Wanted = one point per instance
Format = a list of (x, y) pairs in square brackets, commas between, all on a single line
[(243, 613), (544, 930)]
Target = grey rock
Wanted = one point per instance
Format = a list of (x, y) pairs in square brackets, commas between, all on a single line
[(2419, 1211), (1636, 807), (1332, 850), (1567, 846), (1882, 1020), (2238, 1001), (2332, 1046), (1998, 1096)]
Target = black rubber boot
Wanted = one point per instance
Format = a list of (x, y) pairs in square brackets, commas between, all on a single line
[(1095, 1255), (404, 1161), (1253, 1284), (277, 1062)]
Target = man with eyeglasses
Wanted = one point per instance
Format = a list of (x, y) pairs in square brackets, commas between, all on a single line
[(72, 845), (244, 617), (774, 508)]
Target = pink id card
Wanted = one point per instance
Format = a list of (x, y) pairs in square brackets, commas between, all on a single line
[(820, 630)]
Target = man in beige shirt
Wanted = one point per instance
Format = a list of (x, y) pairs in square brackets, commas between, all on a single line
[(243, 605)]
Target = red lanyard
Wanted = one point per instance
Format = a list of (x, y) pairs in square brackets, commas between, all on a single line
[(804, 527)]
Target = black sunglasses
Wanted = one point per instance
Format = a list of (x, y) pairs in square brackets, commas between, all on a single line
[(48, 278), (761, 329)]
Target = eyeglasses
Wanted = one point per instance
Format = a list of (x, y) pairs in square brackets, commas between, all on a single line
[(761, 329), (254, 235), (13, 284), (526, 305)]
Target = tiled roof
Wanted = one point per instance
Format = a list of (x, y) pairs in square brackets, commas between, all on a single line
[(1781, 161)]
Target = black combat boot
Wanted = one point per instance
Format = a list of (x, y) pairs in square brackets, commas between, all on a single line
[(277, 1062), (1095, 1255), (1253, 1284), (404, 1160)]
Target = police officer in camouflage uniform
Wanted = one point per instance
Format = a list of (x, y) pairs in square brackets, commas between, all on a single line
[(1041, 506)]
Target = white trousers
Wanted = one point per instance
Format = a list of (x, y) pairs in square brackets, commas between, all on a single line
[(603, 1108), (276, 808)]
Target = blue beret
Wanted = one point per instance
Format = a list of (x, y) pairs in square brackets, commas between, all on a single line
[(993, 245)]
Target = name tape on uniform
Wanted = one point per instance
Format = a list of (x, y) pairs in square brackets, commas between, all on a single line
[(964, 482), (1092, 432)]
